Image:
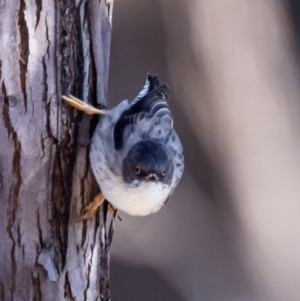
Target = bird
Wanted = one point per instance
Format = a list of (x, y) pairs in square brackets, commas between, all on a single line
[(135, 154)]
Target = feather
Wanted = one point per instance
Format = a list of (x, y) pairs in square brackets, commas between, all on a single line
[(150, 102), (151, 84)]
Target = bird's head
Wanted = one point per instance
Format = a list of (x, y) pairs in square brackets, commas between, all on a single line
[(148, 161)]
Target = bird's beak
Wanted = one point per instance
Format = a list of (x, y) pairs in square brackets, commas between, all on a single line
[(151, 177)]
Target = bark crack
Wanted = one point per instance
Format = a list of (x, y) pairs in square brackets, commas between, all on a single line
[(68, 45), (47, 36), (19, 235), (23, 49), (37, 293), (39, 228), (39, 7), (45, 80), (43, 147), (82, 196), (45, 93), (92, 70), (14, 187), (48, 125), (57, 210), (68, 290)]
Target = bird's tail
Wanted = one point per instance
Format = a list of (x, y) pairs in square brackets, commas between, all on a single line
[(150, 84)]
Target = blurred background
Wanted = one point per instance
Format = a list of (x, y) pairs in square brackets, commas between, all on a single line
[(231, 231)]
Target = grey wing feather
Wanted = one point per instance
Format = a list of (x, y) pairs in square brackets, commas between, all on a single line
[(151, 101), (150, 84)]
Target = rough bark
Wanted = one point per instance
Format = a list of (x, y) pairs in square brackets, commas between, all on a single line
[(49, 48)]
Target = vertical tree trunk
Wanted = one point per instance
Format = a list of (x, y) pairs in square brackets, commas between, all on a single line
[(49, 48)]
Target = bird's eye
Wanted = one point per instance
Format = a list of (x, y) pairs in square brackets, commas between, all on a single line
[(137, 169), (163, 172)]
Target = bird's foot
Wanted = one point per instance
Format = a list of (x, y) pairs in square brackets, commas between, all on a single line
[(82, 106), (91, 208)]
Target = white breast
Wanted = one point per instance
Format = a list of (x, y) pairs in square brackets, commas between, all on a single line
[(147, 198), (142, 199)]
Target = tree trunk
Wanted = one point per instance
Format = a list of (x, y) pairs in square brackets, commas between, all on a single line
[(49, 48)]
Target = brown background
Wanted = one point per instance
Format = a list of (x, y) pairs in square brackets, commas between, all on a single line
[(231, 230)]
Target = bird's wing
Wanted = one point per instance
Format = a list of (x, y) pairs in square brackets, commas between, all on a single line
[(151, 101)]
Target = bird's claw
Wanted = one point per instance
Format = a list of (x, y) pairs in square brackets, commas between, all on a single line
[(91, 208)]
